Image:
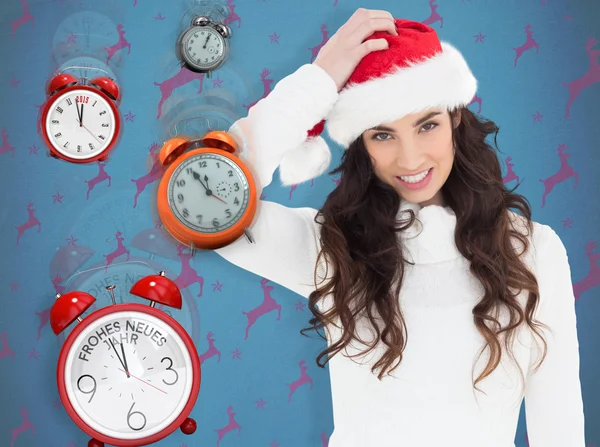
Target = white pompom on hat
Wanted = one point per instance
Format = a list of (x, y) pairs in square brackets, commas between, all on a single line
[(416, 72)]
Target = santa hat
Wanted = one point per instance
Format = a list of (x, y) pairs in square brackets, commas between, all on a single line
[(416, 72)]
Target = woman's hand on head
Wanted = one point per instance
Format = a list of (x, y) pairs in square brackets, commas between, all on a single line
[(346, 48)]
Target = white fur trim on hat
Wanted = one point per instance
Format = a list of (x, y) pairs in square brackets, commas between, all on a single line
[(443, 81), (309, 160)]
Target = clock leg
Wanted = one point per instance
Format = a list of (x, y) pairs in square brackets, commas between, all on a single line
[(95, 443), (188, 426)]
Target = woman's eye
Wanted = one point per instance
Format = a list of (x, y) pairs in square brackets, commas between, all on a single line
[(381, 136), (429, 126)]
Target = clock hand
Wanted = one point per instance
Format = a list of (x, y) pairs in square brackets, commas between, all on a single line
[(78, 113), (125, 361), (116, 353), (143, 381), (81, 124), (208, 191), (206, 41), (81, 117)]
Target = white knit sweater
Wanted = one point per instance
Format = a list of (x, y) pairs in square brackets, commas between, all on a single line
[(429, 400)]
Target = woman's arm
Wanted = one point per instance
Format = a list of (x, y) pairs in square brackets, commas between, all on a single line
[(553, 401), (286, 240)]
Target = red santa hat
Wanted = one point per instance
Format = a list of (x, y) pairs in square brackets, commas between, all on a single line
[(416, 72)]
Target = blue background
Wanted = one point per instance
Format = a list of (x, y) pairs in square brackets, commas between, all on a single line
[(528, 102)]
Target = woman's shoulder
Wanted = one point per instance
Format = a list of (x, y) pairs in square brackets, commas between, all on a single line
[(542, 239)]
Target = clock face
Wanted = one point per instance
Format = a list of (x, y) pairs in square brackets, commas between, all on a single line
[(80, 123), (203, 48), (208, 193), (128, 375)]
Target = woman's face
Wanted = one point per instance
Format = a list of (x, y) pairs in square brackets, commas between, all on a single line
[(414, 154)]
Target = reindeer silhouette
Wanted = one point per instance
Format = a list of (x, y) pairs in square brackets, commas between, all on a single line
[(510, 174), (119, 251), (6, 147), (188, 275), (212, 351), (266, 82), (591, 77), (102, 175), (6, 351), (26, 425), (232, 16), (268, 304), (25, 17), (434, 16), (565, 172), (156, 172), (182, 77), (231, 426), (32, 221), (121, 43), (529, 43), (476, 99), (302, 380), (314, 51), (592, 279)]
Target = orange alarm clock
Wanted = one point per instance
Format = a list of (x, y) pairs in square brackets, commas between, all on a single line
[(207, 196)]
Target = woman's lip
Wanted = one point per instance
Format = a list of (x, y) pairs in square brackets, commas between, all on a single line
[(416, 173)]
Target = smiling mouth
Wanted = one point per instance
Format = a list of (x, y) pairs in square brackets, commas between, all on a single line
[(414, 178)]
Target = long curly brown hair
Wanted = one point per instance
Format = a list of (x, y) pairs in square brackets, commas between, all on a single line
[(360, 244)]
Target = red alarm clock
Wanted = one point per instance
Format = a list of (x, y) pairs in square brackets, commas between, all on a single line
[(80, 121), (128, 374)]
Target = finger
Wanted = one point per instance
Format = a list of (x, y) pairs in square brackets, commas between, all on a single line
[(361, 15), (370, 46), (367, 29)]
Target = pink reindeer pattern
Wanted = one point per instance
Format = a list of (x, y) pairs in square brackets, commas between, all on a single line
[(529, 44), (231, 426), (6, 146), (121, 43), (476, 99), (211, 351), (26, 425), (592, 279), (267, 87), (6, 351), (119, 251), (25, 17), (232, 16), (188, 275), (564, 173), (302, 380), (314, 51), (182, 77), (510, 173), (268, 304), (434, 16), (156, 172), (32, 221), (592, 76), (102, 175)]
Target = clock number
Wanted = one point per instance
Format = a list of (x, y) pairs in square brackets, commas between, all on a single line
[(101, 137), (94, 103), (236, 201), (69, 102), (215, 222), (170, 369), (92, 391), (230, 173), (185, 212), (91, 146), (236, 186), (131, 413), (181, 182), (58, 135), (180, 197), (66, 144), (199, 217), (105, 125), (79, 148), (218, 165), (228, 212), (202, 164), (59, 110), (54, 121), (102, 113)]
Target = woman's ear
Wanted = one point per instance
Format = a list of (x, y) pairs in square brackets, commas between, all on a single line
[(456, 118)]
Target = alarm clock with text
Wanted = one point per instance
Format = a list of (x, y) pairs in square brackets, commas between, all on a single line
[(207, 196), (80, 121), (128, 374)]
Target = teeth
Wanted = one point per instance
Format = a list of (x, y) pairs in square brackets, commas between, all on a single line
[(415, 178)]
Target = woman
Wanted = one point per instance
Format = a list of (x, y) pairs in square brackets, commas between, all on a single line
[(435, 296)]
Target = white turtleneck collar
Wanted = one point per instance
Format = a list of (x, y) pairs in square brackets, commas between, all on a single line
[(430, 238)]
